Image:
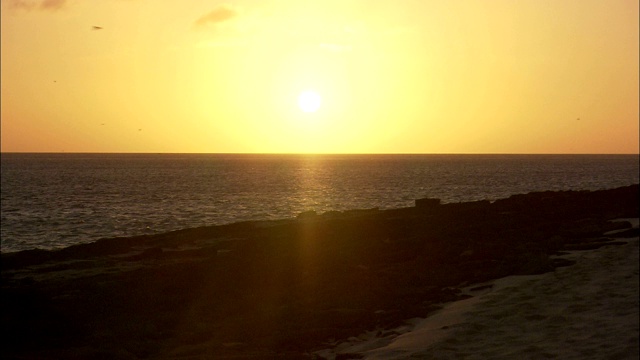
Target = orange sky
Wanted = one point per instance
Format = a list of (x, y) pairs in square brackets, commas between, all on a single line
[(500, 76)]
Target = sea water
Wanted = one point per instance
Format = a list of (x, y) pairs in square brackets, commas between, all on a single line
[(55, 200)]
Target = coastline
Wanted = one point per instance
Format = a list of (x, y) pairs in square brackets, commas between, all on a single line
[(583, 311), (52, 203), (286, 288)]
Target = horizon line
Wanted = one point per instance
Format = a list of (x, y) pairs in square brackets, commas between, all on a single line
[(292, 153)]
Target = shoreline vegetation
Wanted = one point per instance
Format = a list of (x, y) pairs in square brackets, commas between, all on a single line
[(286, 288)]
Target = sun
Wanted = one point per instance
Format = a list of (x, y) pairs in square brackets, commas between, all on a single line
[(309, 101)]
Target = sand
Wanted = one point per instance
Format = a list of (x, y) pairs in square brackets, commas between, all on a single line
[(585, 311)]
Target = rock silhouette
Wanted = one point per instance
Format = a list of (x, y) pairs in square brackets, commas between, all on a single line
[(280, 289)]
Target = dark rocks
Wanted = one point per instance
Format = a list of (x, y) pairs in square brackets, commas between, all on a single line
[(147, 254), (427, 203), (481, 287), (361, 212), (25, 258), (559, 262), (349, 356), (592, 245), (472, 208), (281, 289), (310, 214), (628, 233)]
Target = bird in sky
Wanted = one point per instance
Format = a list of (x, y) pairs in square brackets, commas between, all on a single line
[(97, 27)]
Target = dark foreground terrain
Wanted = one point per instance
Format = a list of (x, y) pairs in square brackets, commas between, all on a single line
[(281, 289)]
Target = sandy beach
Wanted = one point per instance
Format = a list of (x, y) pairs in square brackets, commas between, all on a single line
[(588, 310)]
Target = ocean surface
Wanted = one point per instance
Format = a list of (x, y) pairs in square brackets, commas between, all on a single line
[(55, 200)]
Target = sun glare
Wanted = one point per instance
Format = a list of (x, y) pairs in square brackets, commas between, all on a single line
[(309, 101)]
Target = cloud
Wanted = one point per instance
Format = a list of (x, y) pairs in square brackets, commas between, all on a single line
[(22, 4), (48, 5), (52, 4), (218, 15)]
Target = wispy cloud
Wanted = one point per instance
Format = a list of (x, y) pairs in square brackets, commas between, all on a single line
[(47, 5), (52, 4), (218, 15)]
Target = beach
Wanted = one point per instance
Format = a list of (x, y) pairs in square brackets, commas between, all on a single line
[(588, 310), (348, 284)]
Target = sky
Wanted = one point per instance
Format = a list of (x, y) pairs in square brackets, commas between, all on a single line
[(401, 76)]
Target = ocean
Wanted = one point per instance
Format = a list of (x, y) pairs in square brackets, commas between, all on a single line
[(52, 201)]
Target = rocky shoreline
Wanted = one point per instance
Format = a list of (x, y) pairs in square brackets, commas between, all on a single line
[(282, 289)]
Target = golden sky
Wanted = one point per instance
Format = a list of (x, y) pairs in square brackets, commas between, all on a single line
[(402, 76)]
